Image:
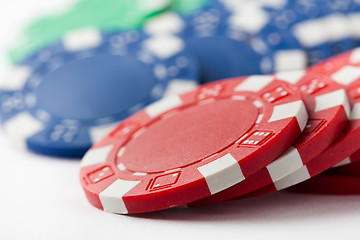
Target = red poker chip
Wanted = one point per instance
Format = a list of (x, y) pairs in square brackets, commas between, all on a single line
[(328, 109), (344, 69), (329, 184), (355, 157), (188, 147), (352, 169)]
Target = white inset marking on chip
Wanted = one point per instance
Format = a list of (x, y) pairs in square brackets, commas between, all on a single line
[(121, 167), (112, 197), (296, 177), (164, 45), (346, 75), (121, 152), (355, 112), (344, 162), (172, 170), (163, 105), (332, 99), (284, 165), (222, 173), (21, 127), (82, 39), (290, 76), (138, 132), (98, 132), (290, 60), (15, 78), (260, 117), (96, 155), (254, 83), (243, 137), (165, 23), (238, 98), (139, 174), (293, 109), (179, 86), (257, 104)]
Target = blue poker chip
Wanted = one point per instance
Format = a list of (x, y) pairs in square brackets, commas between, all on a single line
[(69, 95), (320, 27), (338, 25), (228, 43), (352, 10)]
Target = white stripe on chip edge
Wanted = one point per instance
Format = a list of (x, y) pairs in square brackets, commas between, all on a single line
[(240, 17), (96, 155), (293, 109), (15, 78), (355, 112), (165, 23), (288, 60), (311, 33), (163, 105), (354, 20), (346, 75), (179, 86), (355, 56), (338, 26), (333, 99), (254, 83), (344, 162), (296, 177), (98, 132), (112, 197), (164, 45), (21, 127), (287, 163), (222, 173), (292, 77), (82, 39)]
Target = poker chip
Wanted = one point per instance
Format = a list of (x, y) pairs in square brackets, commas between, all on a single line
[(153, 159), (342, 180), (328, 109), (349, 160), (352, 169), (329, 185), (102, 14), (345, 69), (241, 46), (69, 95), (338, 25), (352, 10), (188, 6)]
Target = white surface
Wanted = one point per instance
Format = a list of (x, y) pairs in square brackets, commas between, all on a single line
[(41, 198)]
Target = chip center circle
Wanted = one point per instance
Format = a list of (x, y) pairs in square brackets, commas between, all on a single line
[(189, 136), (95, 87)]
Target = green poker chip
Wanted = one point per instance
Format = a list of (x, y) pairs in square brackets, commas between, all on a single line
[(188, 6), (103, 14)]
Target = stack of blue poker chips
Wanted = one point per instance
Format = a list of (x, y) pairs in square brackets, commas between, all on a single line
[(321, 27), (243, 37), (339, 25), (352, 10), (69, 95), (228, 43)]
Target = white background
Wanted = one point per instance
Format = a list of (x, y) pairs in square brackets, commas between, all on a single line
[(41, 198)]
